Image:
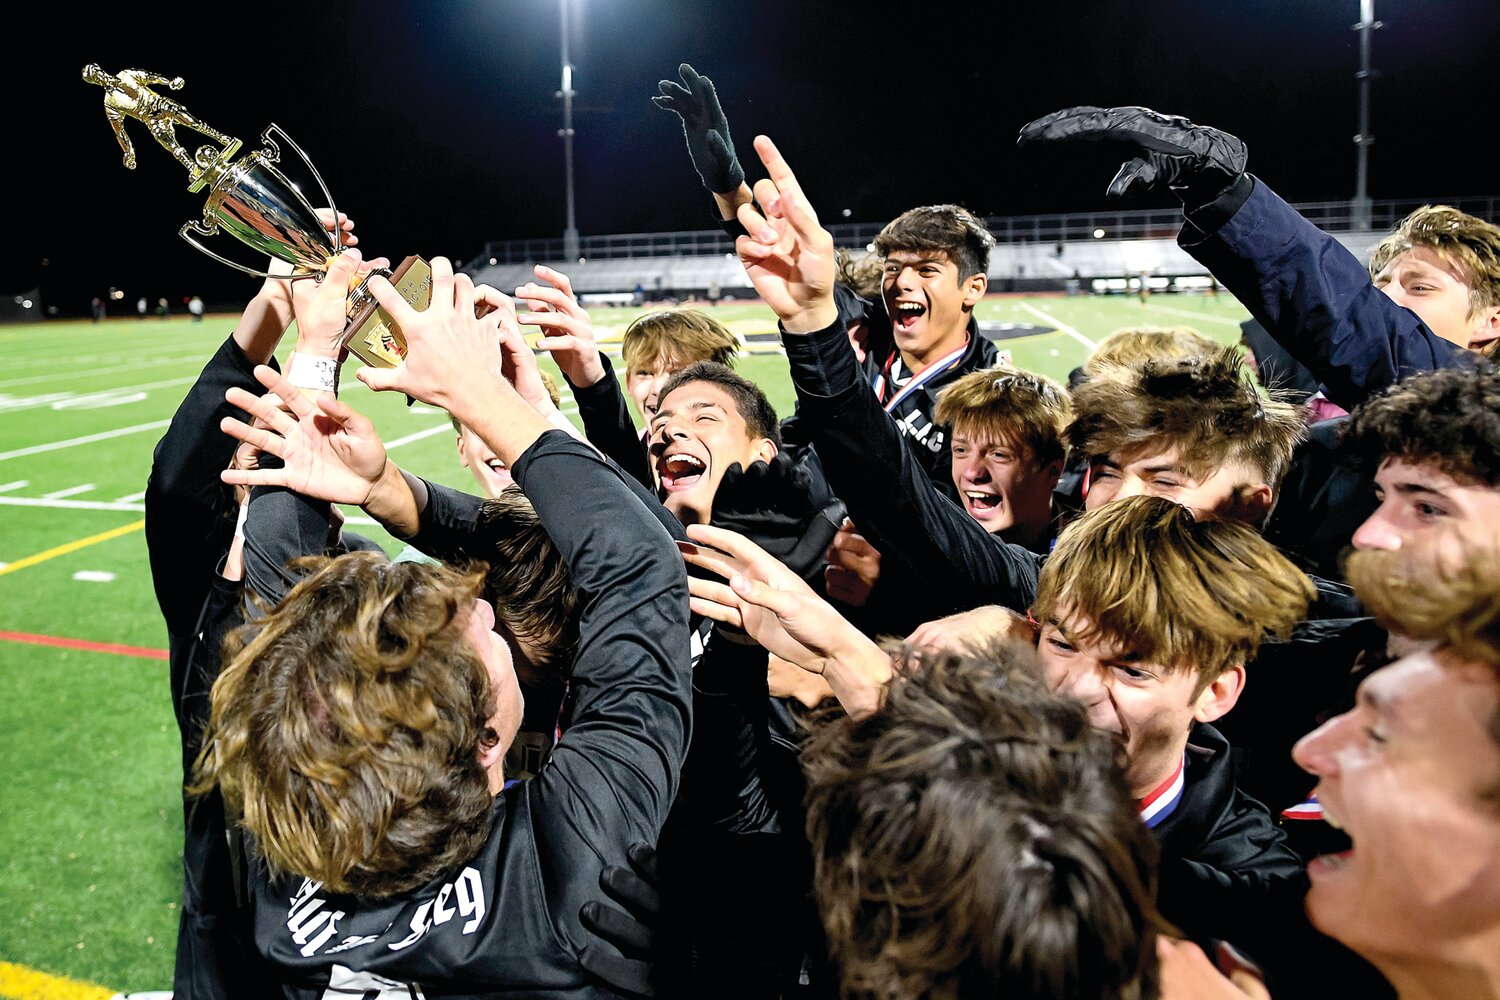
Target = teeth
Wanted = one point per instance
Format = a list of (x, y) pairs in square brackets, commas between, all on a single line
[(909, 307), (977, 496), (1331, 819), (679, 457)]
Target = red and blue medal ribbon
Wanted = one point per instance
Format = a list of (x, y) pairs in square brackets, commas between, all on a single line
[(916, 381), (1311, 808), (1164, 797)]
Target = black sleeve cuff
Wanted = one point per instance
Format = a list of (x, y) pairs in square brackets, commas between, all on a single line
[(1209, 218), (823, 363)]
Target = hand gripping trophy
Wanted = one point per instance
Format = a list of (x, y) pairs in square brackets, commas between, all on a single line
[(255, 203)]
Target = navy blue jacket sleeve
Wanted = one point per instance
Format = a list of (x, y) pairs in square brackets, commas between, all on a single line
[(1317, 300)]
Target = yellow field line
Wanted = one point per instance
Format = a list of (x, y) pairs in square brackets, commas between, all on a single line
[(17, 982), (63, 550)]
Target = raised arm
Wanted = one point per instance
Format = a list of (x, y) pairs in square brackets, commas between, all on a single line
[(1310, 293), (790, 260), (709, 143)]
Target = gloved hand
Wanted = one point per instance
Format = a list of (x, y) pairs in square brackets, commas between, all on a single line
[(1198, 163), (632, 932), (705, 127), (773, 504)]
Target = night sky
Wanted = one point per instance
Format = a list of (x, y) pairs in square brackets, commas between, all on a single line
[(434, 123)]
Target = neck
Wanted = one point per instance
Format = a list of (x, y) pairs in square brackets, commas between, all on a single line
[(1471, 970), (915, 361), (1144, 783)]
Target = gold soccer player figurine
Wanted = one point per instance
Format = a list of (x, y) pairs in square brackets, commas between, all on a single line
[(130, 95)]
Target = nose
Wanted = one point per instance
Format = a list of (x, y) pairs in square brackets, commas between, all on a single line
[(1129, 486), (1396, 293), (1085, 683), (1377, 534), (1314, 752), (974, 470)]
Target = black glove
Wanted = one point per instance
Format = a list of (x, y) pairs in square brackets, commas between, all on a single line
[(707, 130), (774, 504), (633, 932), (1199, 164)]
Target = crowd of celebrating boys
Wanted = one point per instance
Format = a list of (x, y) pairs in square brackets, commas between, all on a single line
[(956, 682)]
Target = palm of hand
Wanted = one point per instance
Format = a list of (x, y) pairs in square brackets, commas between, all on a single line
[(329, 460), (793, 274)]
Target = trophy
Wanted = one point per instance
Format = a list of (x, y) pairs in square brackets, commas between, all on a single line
[(253, 201)]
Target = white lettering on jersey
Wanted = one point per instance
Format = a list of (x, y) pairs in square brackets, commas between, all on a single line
[(467, 891), (346, 983), (312, 926), (916, 426)]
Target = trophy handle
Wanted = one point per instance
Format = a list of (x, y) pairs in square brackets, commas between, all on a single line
[(275, 157), (212, 230)]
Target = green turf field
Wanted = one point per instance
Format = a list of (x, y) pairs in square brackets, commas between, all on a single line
[(89, 812)]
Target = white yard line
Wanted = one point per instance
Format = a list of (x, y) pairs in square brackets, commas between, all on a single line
[(131, 497), (70, 504), (1059, 324), (87, 372), (1192, 315), (75, 399), (419, 435), (70, 491), (14, 485), (38, 449)]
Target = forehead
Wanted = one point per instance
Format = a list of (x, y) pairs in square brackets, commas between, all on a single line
[(980, 435), (939, 257), (697, 395), (1408, 474), (1427, 262), (1434, 696)]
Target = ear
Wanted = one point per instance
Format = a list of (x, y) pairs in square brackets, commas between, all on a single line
[(1486, 327), (463, 459), (1253, 502), (974, 289), (765, 449), (1220, 695), (491, 754)]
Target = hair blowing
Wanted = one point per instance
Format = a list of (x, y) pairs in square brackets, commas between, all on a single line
[(345, 727), (975, 838), (1144, 573)]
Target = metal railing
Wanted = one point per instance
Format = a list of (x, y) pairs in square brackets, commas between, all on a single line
[(1332, 216)]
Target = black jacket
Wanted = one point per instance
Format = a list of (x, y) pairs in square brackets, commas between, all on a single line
[(1227, 873)]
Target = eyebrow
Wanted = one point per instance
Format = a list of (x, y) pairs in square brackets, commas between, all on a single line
[(700, 405), (1417, 490)]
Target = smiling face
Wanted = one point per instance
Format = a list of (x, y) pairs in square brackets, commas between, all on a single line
[(480, 459), (1230, 491), (1421, 505), (929, 303), (1149, 706), (643, 382), (1438, 290), (697, 434), (1001, 485), (1411, 774)]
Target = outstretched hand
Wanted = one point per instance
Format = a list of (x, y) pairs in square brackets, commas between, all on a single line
[(329, 452), (453, 357), (1196, 162), (568, 333), (788, 255), (769, 601), (695, 101)]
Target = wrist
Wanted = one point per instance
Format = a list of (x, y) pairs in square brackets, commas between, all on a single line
[(385, 490), (312, 371), (817, 316)]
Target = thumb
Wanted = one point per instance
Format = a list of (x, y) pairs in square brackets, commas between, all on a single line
[(382, 379), (1134, 176)]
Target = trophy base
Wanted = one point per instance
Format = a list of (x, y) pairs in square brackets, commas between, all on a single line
[(370, 334)]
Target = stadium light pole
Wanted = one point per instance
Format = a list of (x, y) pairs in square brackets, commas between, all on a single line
[(570, 234), (1360, 207)]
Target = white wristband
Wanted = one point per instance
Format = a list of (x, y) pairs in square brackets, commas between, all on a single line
[(308, 371)]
